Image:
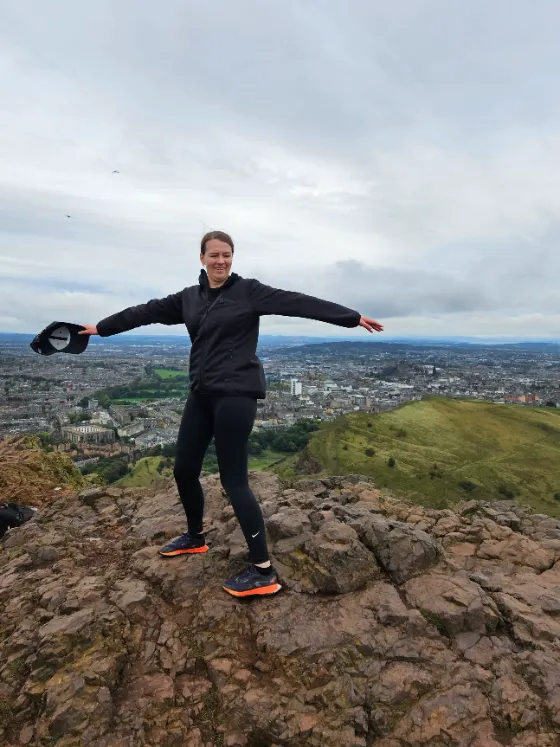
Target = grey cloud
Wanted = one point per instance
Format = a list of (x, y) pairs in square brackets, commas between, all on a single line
[(391, 292), (403, 157), (388, 292)]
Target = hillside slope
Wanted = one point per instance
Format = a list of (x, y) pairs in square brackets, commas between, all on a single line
[(438, 443), (30, 475), (397, 625), (143, 473)]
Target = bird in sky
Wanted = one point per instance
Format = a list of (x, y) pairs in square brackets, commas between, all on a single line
[(68, 216), (116, 172)]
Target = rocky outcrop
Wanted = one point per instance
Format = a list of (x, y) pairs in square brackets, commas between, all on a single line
[(397, 625)]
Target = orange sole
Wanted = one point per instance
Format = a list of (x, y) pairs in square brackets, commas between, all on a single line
[(184, 552), (272, 589)]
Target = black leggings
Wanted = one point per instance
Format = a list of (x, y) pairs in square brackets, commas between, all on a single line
[(230, 420)]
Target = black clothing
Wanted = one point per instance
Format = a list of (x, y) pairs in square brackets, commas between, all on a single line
[(265, 571), (8, 519), (226, 379), (230, 420), (223, 325), (13, 515)]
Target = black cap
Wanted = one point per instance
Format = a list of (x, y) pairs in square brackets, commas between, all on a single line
[(60, 337)]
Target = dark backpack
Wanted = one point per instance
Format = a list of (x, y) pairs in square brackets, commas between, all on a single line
[(13, 515)]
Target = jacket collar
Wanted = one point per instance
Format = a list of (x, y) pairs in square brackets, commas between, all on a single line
[(203, 280)]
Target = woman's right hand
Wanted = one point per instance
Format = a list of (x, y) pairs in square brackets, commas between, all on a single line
[(90, 329)]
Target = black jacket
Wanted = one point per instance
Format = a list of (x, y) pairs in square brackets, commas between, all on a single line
[(224, 328)]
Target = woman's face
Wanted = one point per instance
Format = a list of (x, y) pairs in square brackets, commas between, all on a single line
[(217, 260)]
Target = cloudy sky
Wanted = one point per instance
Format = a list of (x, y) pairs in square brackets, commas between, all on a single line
[(400, 158)]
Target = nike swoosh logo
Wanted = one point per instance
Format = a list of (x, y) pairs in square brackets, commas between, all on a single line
[(254, 535)]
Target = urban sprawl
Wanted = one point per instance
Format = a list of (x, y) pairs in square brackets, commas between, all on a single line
[(71, 398)]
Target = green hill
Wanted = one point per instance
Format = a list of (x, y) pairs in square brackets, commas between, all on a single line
[(495, 451), (143, 473)]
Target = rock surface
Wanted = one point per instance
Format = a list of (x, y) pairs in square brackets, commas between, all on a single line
[(397, 625)]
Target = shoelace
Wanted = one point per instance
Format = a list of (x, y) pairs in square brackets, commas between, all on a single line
[(247, 574), (176, 541)]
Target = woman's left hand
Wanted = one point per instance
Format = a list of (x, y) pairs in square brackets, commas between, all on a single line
[(370, 324)]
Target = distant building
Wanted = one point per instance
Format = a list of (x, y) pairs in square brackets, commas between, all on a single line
[(88, 434), (134, 429), (121, 414), (529, 399), (330, 386), (295, 388), (101, 417)]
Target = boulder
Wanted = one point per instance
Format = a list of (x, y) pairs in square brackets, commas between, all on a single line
[(402, 550), (453, 604), (331, 560)]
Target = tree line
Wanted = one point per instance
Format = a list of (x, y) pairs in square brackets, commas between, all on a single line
[(283, 439), (155, 388), (287, 439)]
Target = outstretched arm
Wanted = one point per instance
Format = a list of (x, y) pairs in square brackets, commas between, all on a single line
[(268, 300), (166, 310)]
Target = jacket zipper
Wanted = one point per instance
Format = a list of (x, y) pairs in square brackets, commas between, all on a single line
[(203, 357), (209, 308)]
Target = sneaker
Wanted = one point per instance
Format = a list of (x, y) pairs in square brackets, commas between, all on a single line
[(184, 544), (251, 582)]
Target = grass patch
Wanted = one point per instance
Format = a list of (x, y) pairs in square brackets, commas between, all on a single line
[(168, 373), (265, 460), (16, 553), (211, 706), (16, 667), (434, 620), (6, 714), (207, 718), (143, 474), (504, 450)]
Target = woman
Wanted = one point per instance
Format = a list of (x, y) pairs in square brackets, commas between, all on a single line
[(222, 315)]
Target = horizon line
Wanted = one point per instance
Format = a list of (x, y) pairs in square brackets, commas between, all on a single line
[(505, 338)]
